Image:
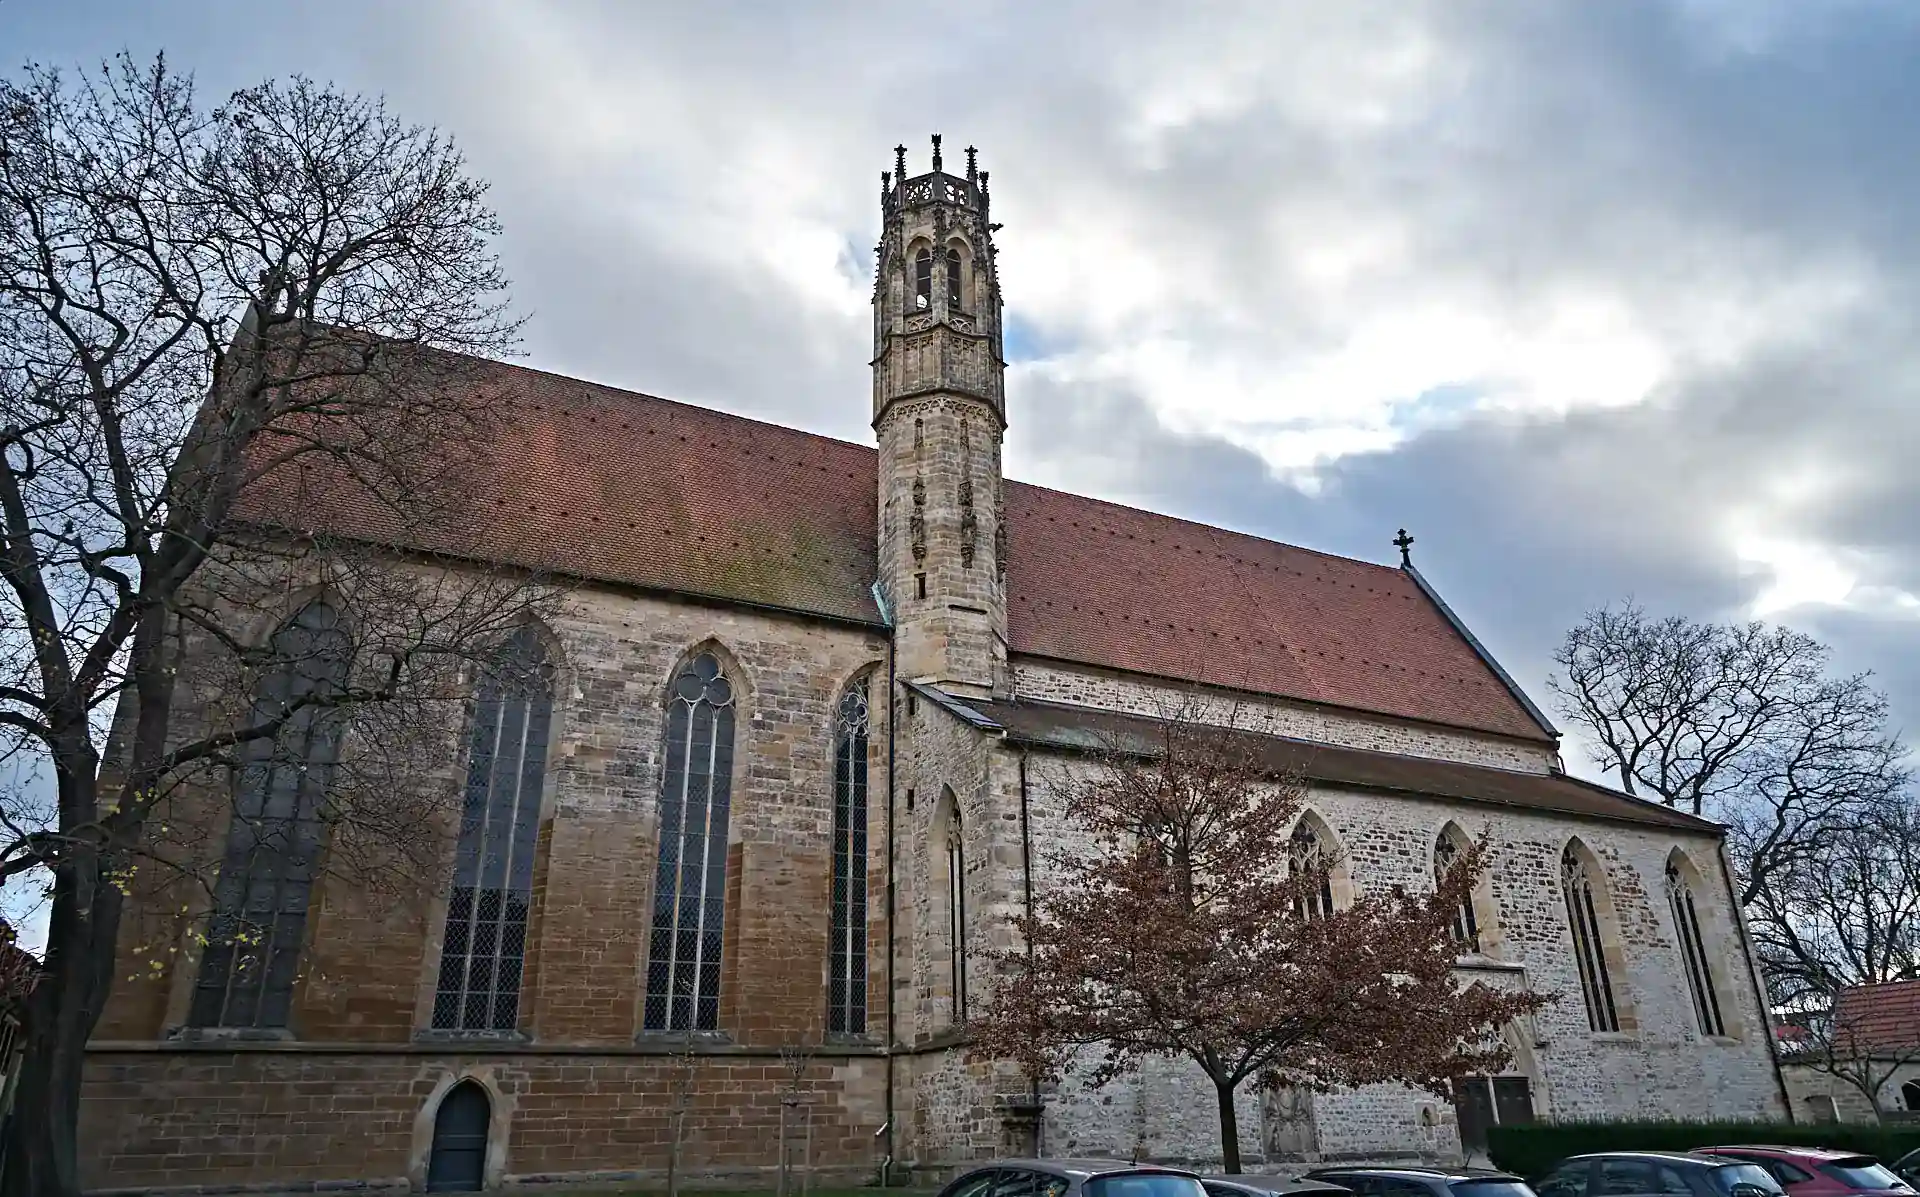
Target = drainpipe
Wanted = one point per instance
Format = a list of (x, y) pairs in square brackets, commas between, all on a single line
[(1026, 874), (1759, 983), (886, 616)]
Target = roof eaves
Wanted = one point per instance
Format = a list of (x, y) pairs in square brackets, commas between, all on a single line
[(1704, 824), (1473, 642), (953, 706)]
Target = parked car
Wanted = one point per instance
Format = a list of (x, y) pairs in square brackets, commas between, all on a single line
[(1907, 1168), (1818, 1171), (1242, 1185), (1656, 1174), (1425, 1182), (1073, 1178)]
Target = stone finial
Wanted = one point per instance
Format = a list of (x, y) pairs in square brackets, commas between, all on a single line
[(1404, 543), (900, 162), (972, 163), (936, 153)]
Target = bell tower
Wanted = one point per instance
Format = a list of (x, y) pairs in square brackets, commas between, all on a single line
[(939, 412)]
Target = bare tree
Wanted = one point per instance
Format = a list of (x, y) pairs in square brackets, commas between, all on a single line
[(1736, 722), (1195, 927), (682, 1066), (1852, 1037), (217, 326), (795, 1059)]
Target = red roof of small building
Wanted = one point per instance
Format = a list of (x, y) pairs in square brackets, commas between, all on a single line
[(1878, 1016), (610, 485)]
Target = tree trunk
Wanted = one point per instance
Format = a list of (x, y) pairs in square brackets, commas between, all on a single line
[(1229, 1129), (41, 1153)]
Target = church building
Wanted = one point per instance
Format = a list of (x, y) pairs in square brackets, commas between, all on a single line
[(787, 766)]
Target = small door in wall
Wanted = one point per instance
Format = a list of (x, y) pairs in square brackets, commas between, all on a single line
[(458, 1161)]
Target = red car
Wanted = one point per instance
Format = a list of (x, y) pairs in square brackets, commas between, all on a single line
[(1818, 1172)]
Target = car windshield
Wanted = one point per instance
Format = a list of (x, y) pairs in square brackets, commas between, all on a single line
[(1861, 1172), (1492, 1186), (1143, 1184), (1745, 1174)]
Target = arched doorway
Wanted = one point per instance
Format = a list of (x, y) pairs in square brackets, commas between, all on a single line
[(458, 1161)]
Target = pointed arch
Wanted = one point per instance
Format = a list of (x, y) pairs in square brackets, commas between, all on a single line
[(1595, 932), (1476, 926), (490, 895), (1699, 954), (950, 850), (1313, 845), (257, 928), (923, 279), (847, 945), (956, 257), (688, 936)]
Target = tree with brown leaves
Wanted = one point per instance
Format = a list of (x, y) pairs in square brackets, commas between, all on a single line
[(1192, 927), (213, 322)]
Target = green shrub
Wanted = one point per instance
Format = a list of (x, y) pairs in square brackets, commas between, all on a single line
[(1531, 1151)]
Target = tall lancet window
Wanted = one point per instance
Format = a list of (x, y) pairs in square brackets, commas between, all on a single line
[(259, 920), (953, 279), (485, 944), (690, 886), (1466, 924), (957, 913), (923, 280), (1305, 853), (1693, 952), (1589, 949), (847, 970)]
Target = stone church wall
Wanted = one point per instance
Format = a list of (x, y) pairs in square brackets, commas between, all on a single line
[(1661, 1065), (1107, 691), (369, 972)]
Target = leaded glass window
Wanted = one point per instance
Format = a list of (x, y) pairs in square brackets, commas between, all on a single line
[(484, 948), (259, 920), (923, 280), (1305, 853), (1466, 924), (957, 913), (1583, 917), (847, 970), (1693, 953), (689, 890)]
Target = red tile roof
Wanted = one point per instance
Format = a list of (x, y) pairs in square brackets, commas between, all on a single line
[(1878, 1016), (610, 485)]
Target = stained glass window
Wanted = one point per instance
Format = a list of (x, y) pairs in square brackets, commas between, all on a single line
[(1596, 984), (847, 970), (1305, 852), (259, 919), (484, 948), (957, 914), (1466, 924), (1693, 953), (689, 891)]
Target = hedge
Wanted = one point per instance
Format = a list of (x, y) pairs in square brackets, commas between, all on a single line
[(1532, 1150)]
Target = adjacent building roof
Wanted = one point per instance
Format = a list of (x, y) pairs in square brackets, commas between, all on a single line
[(1061, 728), (610, 485), (1878, 1016)]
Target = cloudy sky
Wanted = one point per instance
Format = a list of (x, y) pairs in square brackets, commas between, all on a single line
[(1598, 299)]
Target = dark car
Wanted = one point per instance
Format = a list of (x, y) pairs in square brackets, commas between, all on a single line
[(1656, 1174), (1818, 1171), (1425, 1182), (1242, 1185), (1907, 1168), (1073, 1178)]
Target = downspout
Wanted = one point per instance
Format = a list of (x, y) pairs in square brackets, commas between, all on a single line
[(1753, 975), (1026, 874), (887, 1128)]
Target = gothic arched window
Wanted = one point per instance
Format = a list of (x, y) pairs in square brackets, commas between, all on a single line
[(1693, 952), (847, 969), (1306, 853), (1910, 1096), (259, 919), (957, 910), (486, 936), (690, 886), (1589, 946), (923, 279), (953, 279), (1466, 923)]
